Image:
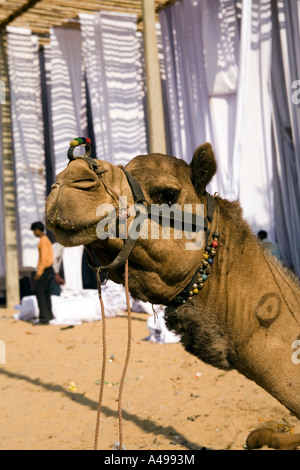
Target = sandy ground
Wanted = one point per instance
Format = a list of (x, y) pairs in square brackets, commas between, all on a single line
[(171, 401)]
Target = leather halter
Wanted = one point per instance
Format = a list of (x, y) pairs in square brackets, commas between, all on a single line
[(139, 199)]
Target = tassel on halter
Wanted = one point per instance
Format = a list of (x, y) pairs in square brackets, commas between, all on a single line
[(79, 141)]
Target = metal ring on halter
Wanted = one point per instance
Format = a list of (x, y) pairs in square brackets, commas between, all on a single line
[(71, 155), (86, 157)]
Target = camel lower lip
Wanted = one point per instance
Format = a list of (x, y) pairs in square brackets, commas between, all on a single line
[(72, 237)]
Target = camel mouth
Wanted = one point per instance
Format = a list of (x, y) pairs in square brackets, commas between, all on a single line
[(73, 236)]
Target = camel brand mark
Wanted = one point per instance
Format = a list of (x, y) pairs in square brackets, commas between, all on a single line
[(2, 352), (296, 354), (139, 227)]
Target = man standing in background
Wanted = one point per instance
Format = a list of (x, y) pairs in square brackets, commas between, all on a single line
[(44, 274)]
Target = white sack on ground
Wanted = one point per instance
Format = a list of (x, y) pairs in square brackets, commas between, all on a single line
[(74, 307), (159, 333)]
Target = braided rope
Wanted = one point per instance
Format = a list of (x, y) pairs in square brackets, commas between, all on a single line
[(104, 359), (104, 355), (129, 339)]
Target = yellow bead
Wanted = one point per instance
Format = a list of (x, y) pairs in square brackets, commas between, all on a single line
[(205, 255), (195, 291)]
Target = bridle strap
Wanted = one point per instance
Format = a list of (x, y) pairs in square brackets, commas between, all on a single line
[(118, 261), (210, 210), (139, 198), (135, 187), (129, 243), (210, 207)]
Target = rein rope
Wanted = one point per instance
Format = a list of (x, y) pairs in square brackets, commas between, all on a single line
[(104, 357), (122, 259), (83, 141), (104, 360)]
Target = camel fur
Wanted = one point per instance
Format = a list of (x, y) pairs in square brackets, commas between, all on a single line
[(246, 317)]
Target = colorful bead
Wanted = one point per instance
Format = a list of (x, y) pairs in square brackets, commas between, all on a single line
[(207, 257), (79, 141)]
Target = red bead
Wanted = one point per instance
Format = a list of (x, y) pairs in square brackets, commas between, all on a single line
[(214, 243)]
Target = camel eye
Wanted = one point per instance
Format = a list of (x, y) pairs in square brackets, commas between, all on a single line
[(169, 196), (163, 195)]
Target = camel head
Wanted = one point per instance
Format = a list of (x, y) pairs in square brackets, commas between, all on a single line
[(92, 203)]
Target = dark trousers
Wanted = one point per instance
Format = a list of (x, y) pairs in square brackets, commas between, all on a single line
[(43, 294)]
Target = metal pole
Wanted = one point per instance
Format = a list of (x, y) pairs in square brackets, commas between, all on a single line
[(8, 185), (154, 93)]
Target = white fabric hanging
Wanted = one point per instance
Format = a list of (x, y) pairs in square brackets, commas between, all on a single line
[(221, 45), (69, 116), (92, 45), (2, 239), (221, 59), (286, 125), (72, 262), (186, 87), (113, 74), (28, 137), (219, 91), (68, 99), (200, 40), (252, 173)]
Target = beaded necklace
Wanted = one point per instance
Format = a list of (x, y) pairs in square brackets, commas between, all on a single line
[(202, 273)]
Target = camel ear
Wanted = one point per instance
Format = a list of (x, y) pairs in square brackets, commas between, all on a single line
[(203, 166)]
